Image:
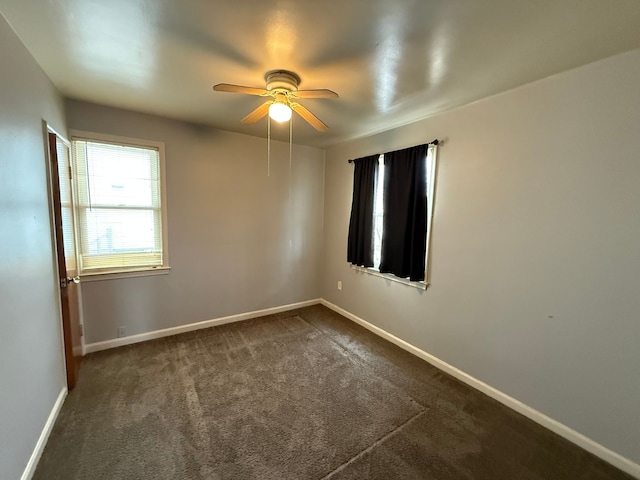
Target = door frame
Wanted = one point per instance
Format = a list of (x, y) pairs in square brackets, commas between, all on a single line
[(67, 350)]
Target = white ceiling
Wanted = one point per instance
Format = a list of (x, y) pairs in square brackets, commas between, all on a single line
[(391, 61)]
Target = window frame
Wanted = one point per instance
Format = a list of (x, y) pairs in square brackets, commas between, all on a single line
[(126, 272), (432, 173)]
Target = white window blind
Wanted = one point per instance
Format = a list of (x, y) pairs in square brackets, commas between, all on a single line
[(66, 203), (119, 207)]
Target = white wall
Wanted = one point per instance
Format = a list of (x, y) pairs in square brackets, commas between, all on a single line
[(537, 216), (229, 227), (31, 358)]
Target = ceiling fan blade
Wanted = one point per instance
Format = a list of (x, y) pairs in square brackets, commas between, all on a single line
[(309, 117), (320, 93), (257, 114), (228, 87)]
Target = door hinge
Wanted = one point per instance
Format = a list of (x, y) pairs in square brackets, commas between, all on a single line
[(81, 330)]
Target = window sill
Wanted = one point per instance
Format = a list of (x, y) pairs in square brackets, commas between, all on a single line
[(147, 272), (393, 278)]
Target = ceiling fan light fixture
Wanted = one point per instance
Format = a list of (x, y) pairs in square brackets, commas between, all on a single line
[(279, 112), (282, 86)]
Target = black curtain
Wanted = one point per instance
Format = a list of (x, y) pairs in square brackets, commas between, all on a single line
[(360, 243), (405, 213)]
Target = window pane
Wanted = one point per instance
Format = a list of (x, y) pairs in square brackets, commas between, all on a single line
[(66, 203), (378, 209), (120, 175), (108, 231), (68, 237), (119, 206)]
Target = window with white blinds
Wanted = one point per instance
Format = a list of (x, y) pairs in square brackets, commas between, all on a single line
[(66, 204), (119, 206)]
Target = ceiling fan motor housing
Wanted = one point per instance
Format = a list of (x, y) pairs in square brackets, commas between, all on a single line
[(282, 79), (282, 87)]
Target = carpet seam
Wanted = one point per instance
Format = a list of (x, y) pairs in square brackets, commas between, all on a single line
[(362, 361), (375, 444)]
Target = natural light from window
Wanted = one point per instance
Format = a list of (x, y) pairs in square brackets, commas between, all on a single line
[(119, 206), (120, 177), (378, 213), (378, 208)]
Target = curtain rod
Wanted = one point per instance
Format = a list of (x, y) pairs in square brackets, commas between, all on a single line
[(432, 142)]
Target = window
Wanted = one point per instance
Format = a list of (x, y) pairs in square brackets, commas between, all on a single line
[(378, 214), (66, 203), (394, 250), (121, 221)]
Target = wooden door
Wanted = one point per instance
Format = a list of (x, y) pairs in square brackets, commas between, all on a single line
[(66, 251)]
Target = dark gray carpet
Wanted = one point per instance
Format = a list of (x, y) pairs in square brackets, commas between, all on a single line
[(299, 395)]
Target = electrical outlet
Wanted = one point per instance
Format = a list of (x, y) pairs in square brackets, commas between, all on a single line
[(122, 332), (339, 285)]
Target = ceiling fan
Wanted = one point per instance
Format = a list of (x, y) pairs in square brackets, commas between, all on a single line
[(282, 87)]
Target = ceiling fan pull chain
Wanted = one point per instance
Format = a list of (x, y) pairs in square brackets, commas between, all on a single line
[(268, 146), (289, 200), (290, 159)]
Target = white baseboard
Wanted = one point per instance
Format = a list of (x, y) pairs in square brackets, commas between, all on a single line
[(579, 439), (44, 436), (166, 332), (573, 436)]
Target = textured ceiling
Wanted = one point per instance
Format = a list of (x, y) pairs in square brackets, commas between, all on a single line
[(391, 61)]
